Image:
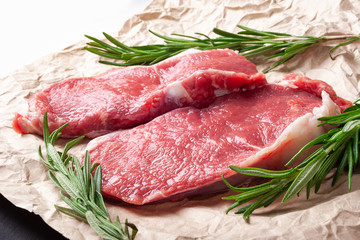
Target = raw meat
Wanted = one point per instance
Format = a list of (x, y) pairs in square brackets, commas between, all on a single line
[(128, 96), (185, 151)]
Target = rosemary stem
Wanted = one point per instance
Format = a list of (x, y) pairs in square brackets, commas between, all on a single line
[(339, 37), (250, 42)]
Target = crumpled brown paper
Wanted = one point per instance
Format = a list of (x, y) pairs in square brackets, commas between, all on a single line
[(334, 213)]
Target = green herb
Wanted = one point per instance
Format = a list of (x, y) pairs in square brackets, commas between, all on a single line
[(248, 42), (79, 188), (339, 147)]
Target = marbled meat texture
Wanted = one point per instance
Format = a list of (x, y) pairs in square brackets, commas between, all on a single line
[(128, 96), (186, 151)]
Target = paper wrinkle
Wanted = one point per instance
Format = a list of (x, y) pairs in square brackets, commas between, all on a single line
[(333, 213)]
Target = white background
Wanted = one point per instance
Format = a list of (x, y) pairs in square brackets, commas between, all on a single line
[(32, 29)]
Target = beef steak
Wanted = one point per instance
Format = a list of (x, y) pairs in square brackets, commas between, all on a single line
[(128, 96), (187, 150)]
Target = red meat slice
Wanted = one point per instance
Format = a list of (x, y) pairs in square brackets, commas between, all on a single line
[(185, 151), (128, 96)]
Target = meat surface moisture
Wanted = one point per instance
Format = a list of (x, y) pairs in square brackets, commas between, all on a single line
[(186, 150), (128, 96)]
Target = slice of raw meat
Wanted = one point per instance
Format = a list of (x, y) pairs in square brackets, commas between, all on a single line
[(128, 96), (185, 151)]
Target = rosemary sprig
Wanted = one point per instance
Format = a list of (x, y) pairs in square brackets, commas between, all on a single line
[(79, 189), (339, 147), (249, 42)]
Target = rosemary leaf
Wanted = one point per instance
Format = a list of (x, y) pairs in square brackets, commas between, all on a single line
[(95, 224), (86, 168), (47, 164), (105, 46), (70, 145), (97, 179), (54, 179), (80, 176), (341, 45), (303, 178), (79, 189), (92, 191), (340, 168), (67, 185), (350, 163), (55, 134), (259, 172), (74, 205), (235, 205), (355, 147), (266, 199), (70, 212), (246, 196), (326, 167), (55, 158), (238, 189), (104, 53), (123, 46)]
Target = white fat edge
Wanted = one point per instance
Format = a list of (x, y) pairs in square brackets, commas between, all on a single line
[(285, 83), (175, 91), (226, 73), (219, 91), (303, 130)]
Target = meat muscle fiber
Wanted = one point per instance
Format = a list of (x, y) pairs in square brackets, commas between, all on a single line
[(185, 151), (128, 96)]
